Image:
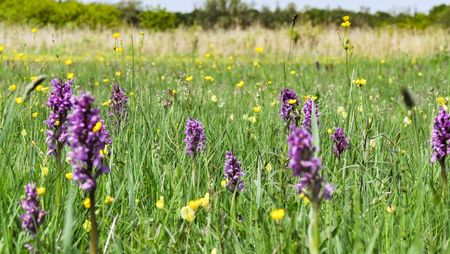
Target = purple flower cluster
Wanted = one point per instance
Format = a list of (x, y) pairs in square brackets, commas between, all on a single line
[(233, 173), (307, 111), (119, 103), (34, 215), (305, 165), (287, 110), (60, 105), (195, 137), (87, 138), (340, 142), (440, 138)]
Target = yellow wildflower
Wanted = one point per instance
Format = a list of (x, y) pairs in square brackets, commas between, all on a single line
[(277, 214), (109, 200), (116, 36), (441, 101), (87, 203), (214, 98), (259, 50), (68, 62), (194, 204), (330, 131), (97, 127), (34, 30), (118, 74), (224, 183), (105, 80), (118, 49), (346, 24), (34, 114), (69, 176), (257, 109), (209, 78), (160, 203), (293, 72), (240, 84), (24, 133), (106, 103), (40, 191), (19, 100), (187, 213), (292, 101), (12, 87), (70, 75), (306, 200), (307, 97), (57, 123), (346, 18), (1, 48)]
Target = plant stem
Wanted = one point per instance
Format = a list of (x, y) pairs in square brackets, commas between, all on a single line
[(313, 229), (443, 177), (58, 174), (93, 243)]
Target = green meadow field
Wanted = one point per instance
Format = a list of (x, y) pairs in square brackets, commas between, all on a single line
[(388, 195)]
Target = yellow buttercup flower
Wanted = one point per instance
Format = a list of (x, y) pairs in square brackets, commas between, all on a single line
[(360, 82), (240, 84), (69, 176), (118, 49), (106, 103), (70, 75), (97, 127), (277, 214), (57, 123), (346, 24), (209, 78), (292, 101), (34, 30), (68, 62), (441, 101), (19, 100), (187, 213), (259, 50), (105, 80), (160, 203), (257, 109), (194, 204), (307, 97), (87, 203), (305, 198), (2, 48), (223, 183), (12, 87), (40, 191), (118, 74), (189, 78), (34, 114), (116, 36), (109, 200), (330, 131), (346, 18)]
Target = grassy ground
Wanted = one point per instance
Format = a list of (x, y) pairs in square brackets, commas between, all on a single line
[(388, 194)]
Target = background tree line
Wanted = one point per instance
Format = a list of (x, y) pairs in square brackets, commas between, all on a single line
[(213, 14)]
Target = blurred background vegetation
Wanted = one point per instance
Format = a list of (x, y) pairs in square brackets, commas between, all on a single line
[(213, 14)]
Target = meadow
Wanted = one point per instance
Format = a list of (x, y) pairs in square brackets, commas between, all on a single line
[(387, 196)]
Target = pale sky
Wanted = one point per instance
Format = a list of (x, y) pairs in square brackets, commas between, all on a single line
[(374, 5)]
